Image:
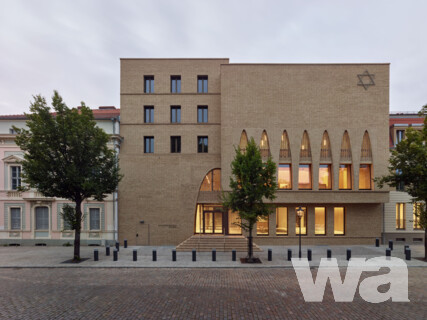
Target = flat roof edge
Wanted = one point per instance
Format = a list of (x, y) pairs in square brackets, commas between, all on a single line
[(305, 64), (174, 58)]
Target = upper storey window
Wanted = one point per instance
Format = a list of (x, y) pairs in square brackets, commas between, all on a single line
[(243, 142), (16, 177), (212, 181), (264, 145), (202, 84), (175, 114), (345, 170), (175, 84), (148, 114), (325, 170), (400, 135), (365, 164), (148, 84), (305, 151), (285, 149), (202, 114)]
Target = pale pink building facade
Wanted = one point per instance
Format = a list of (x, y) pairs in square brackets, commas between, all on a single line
[(29, 218)]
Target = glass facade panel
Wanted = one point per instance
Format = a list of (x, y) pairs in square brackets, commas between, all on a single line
[(284, 176), (233, 223), (325, 177), (42, 218), (208, 221), (207, 182), (304, 176), (416, 216), (303, 221), (15, 218), (345, 177), (216, 180), (282, 221), (365, 177), (262, 226), (199, 212), (320, 220), (95, 219), (339, 221), (400, 216)]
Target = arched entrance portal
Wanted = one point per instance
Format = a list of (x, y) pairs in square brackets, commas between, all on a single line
[(211, 218)]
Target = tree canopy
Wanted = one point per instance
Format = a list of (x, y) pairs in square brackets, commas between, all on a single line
[(67, 156)]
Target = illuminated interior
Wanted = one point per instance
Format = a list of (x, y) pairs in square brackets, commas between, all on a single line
[(264, 145), (234, 223), (305, 151), (400, 216), (366, 152), (345, 154), (325, 148), (262, 226), (285, 149), (339, 221), (243, 141), (320, 220), (325, 177), (304, 176), (303, 221), (212, 181), (416, 211), (365, 177), (281, 221), (284, 176), (345, 177)]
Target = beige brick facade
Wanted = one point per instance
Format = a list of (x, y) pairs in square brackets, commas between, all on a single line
[(160, 190)]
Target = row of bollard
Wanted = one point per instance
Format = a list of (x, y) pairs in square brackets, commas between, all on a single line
[(234, 255)]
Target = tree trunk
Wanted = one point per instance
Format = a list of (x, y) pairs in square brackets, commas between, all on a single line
[(78, 228), (250, 246), (425, 242)]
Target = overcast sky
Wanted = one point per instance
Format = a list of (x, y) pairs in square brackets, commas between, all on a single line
[(75, 46)]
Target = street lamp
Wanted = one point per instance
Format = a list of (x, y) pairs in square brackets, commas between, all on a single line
[(300, 213)]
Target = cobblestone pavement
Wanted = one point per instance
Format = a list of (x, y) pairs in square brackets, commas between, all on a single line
[(154, 293)]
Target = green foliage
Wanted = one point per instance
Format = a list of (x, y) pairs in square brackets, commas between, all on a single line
[(252, 182), (67, 156), (408, 166), (69, 216)]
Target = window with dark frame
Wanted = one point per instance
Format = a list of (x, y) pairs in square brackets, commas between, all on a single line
[(175, 144), (202, 84), (16, 177), (148, 144), (148, 84), (175, 84), (202, 114), (149, 114), (202, 144), (175, 114)]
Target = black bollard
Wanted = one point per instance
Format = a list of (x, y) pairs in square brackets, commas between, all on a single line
[(289, 254), (388, 252), (408, 254), (154, 255), (348, 254), (95, 255), (135, 255), (173, 255), (107, 250), (125, 243), (115, 255), (233, 255), (270, 255), (213, 254), (329, 253), (309, 255), (377, 242), (193, 255), (406, 248), (390, 244), (118, 246)]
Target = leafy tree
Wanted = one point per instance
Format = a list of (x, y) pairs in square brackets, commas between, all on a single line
[(408, 168), (66, 156), (252, 182)]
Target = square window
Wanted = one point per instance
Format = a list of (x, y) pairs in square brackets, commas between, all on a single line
[(175, 114), (202, 84), (148, 114), (148, 84), (202, 114), (175, 84), (175, 144), (148, 144), (202, 144)]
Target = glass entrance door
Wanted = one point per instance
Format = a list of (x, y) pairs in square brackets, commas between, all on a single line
[(213, 222)]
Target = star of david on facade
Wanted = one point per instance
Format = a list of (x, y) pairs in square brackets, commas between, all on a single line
[(366, 79)]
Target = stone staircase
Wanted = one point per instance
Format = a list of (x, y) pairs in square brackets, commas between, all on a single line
[(222, 243)]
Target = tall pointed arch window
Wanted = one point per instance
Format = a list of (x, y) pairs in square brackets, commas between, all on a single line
[(365, 169), (243, 141), (264, 146), (345, 181), (304, 170), (284, 176), (325, 166)]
